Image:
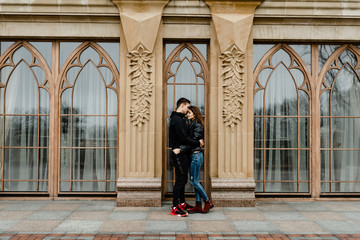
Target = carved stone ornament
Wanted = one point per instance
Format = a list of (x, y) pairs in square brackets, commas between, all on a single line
[(233, 84), (140, 84)]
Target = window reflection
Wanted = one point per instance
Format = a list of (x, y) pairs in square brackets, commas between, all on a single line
[(280, 134), (89, 123), (24, 153), (340, 124)]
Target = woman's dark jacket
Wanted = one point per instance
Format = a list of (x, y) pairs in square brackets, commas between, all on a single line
[(178, 133), (196, 132)]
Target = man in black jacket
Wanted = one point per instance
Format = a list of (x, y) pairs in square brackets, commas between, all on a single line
[(179, 139)]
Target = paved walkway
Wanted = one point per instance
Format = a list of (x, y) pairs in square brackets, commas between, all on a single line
[(103, 220)]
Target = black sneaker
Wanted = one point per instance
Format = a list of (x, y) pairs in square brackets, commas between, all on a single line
[(176, 211), (185, 206)]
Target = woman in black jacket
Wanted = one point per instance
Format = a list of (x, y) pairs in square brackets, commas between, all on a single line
[(196, 132)]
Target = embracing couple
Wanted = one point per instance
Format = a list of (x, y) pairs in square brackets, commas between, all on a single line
[(186, 141)]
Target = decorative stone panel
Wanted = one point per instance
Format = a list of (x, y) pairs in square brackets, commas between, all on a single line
[(233, 84), (140, 84)]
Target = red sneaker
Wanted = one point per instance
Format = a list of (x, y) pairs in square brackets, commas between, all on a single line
[(185, 206), (208, 205), (176, 211), (196, 209)]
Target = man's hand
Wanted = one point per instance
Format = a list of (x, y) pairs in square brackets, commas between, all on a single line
[(201, 142), (177, 151)]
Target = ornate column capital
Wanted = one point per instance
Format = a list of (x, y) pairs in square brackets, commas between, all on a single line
[(233, 6), (233, 21), (140, 20)]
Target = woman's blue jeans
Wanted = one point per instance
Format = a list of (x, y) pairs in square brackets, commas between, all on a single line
[(197, 159)]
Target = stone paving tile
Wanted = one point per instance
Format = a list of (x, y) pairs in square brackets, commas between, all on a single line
[(253, 226), (97, 206), (298, 227), (78, 226), (61, 206), (87, 215), (128, 215), (308, 206), (208, 216), (160, 209), (6, 224), (341, 206), (43, 226), (323, 216), (48, 215), (274, 207), (25, 205), (350, 215), (132, 209), (123, 226), (163, 226), (284, 216), (164, 216), (14, 215), (210, 226), (347, 227), (215, 209), (240, 209), (245, 215), (4, 205)]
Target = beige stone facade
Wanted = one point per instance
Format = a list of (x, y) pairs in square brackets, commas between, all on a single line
[(143, 27)]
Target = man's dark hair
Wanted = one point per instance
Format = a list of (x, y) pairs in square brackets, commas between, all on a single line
[(182, 101)]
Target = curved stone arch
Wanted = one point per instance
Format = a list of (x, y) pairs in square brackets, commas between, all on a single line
[(294, 58), (7, 60), (332, 63), (175, 57), (75, 56)]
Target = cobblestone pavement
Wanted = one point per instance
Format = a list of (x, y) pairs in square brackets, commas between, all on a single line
[(90, 220)]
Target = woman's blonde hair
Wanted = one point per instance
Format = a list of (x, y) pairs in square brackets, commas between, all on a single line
[(197, 114)]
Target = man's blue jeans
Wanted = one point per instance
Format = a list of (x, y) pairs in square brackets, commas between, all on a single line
[(197, 159)]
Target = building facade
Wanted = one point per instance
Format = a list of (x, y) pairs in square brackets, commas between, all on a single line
[(87, 88)]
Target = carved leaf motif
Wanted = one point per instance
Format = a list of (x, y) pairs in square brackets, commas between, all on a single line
[(233, 85), (141, 85)]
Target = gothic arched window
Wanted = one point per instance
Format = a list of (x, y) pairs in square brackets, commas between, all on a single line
[(282, 122), (24, 119), (89, 116), (185, 76), (340, 118)]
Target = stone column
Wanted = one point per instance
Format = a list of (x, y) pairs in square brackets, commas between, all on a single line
[(140, 102), (231, 104)]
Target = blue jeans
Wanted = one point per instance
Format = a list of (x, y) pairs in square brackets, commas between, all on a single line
[(197, 159)]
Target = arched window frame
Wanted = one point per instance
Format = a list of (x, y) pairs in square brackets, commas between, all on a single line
[(333, 63), (6, 60), (74, 61), (174, 56), (296, 63)]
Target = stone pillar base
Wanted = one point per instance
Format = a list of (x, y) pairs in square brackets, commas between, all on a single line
[(234, 192), (138, 192)]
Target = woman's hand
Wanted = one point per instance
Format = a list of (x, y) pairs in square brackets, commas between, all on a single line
[(176, 151)]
